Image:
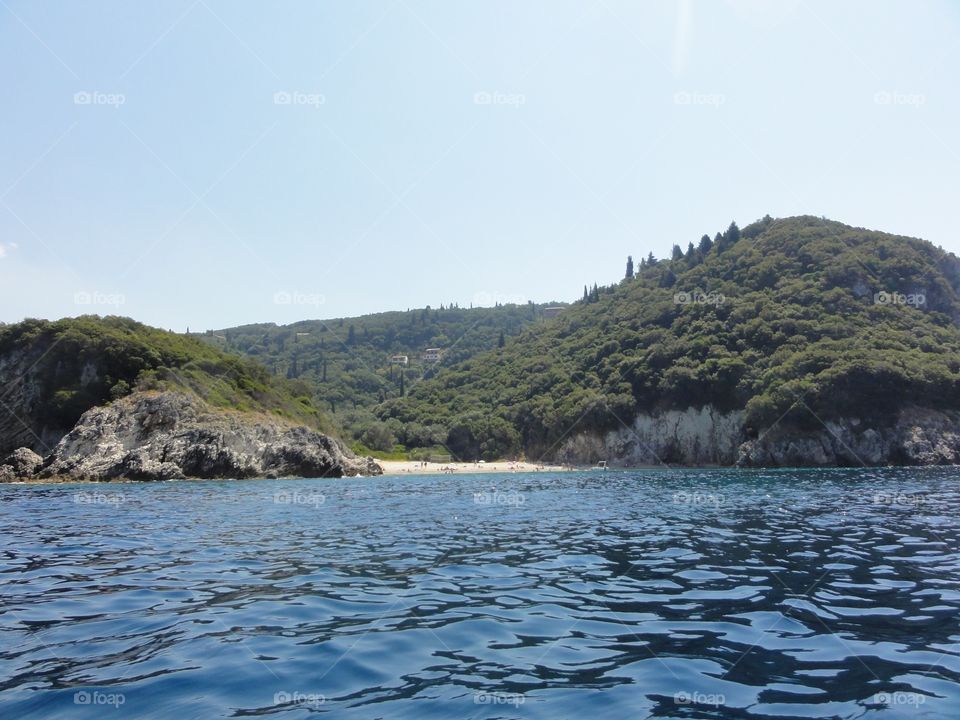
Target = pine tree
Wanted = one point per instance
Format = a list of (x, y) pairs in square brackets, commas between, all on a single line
[(676, 253), (651, 260), (733, 233), (705, 244)]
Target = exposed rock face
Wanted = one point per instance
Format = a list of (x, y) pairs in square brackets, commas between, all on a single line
[(23, 462), (918, 436), (684, 437), (172, 435), (22, 424)]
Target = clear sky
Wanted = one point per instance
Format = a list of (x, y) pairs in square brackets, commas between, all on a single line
[(208, 163)]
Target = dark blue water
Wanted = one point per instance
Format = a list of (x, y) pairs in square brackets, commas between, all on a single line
[(687, 594)]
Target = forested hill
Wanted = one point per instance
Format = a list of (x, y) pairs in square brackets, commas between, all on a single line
[(794, 321), (349, 361), (54, 371)]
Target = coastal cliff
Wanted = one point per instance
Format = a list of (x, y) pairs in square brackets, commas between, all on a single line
[(170, 435), (794, 341), (109, 398), (705, 436)]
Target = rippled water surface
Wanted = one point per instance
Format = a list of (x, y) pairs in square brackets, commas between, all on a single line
[(689, 594)]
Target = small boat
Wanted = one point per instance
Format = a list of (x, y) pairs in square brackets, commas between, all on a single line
[(602, 465)]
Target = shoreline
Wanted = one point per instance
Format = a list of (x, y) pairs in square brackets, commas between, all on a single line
[(413, 467)]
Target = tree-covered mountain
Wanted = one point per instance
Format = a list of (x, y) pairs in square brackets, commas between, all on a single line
[(350, 361), (53, 372), (789, 326)]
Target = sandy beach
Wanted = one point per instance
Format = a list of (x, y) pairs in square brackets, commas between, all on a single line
[(410, 467)]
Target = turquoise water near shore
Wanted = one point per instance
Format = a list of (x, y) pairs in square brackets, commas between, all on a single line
[(681, 593)]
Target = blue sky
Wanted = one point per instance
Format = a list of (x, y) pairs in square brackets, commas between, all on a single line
[(210, 163)]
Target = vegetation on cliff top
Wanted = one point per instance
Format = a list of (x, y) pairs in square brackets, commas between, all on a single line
[(794, 321), (75, 364), (349, 361)]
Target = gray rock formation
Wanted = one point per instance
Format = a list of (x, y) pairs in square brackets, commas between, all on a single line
[(162, 436), (918, 436), (23, 462), (22, 420), (701, 436)]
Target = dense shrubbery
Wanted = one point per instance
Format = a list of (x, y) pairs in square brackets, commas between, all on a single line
[(347, 360), (82, 362), (802, 316)]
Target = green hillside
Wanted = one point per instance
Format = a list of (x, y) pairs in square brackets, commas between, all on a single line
[(349, 362), (797, 321), (52, 372)]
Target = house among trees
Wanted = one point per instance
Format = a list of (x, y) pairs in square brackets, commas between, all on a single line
[(400, 360), (433, 354)]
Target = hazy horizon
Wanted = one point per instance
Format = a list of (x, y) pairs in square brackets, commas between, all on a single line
[(186, 164)]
